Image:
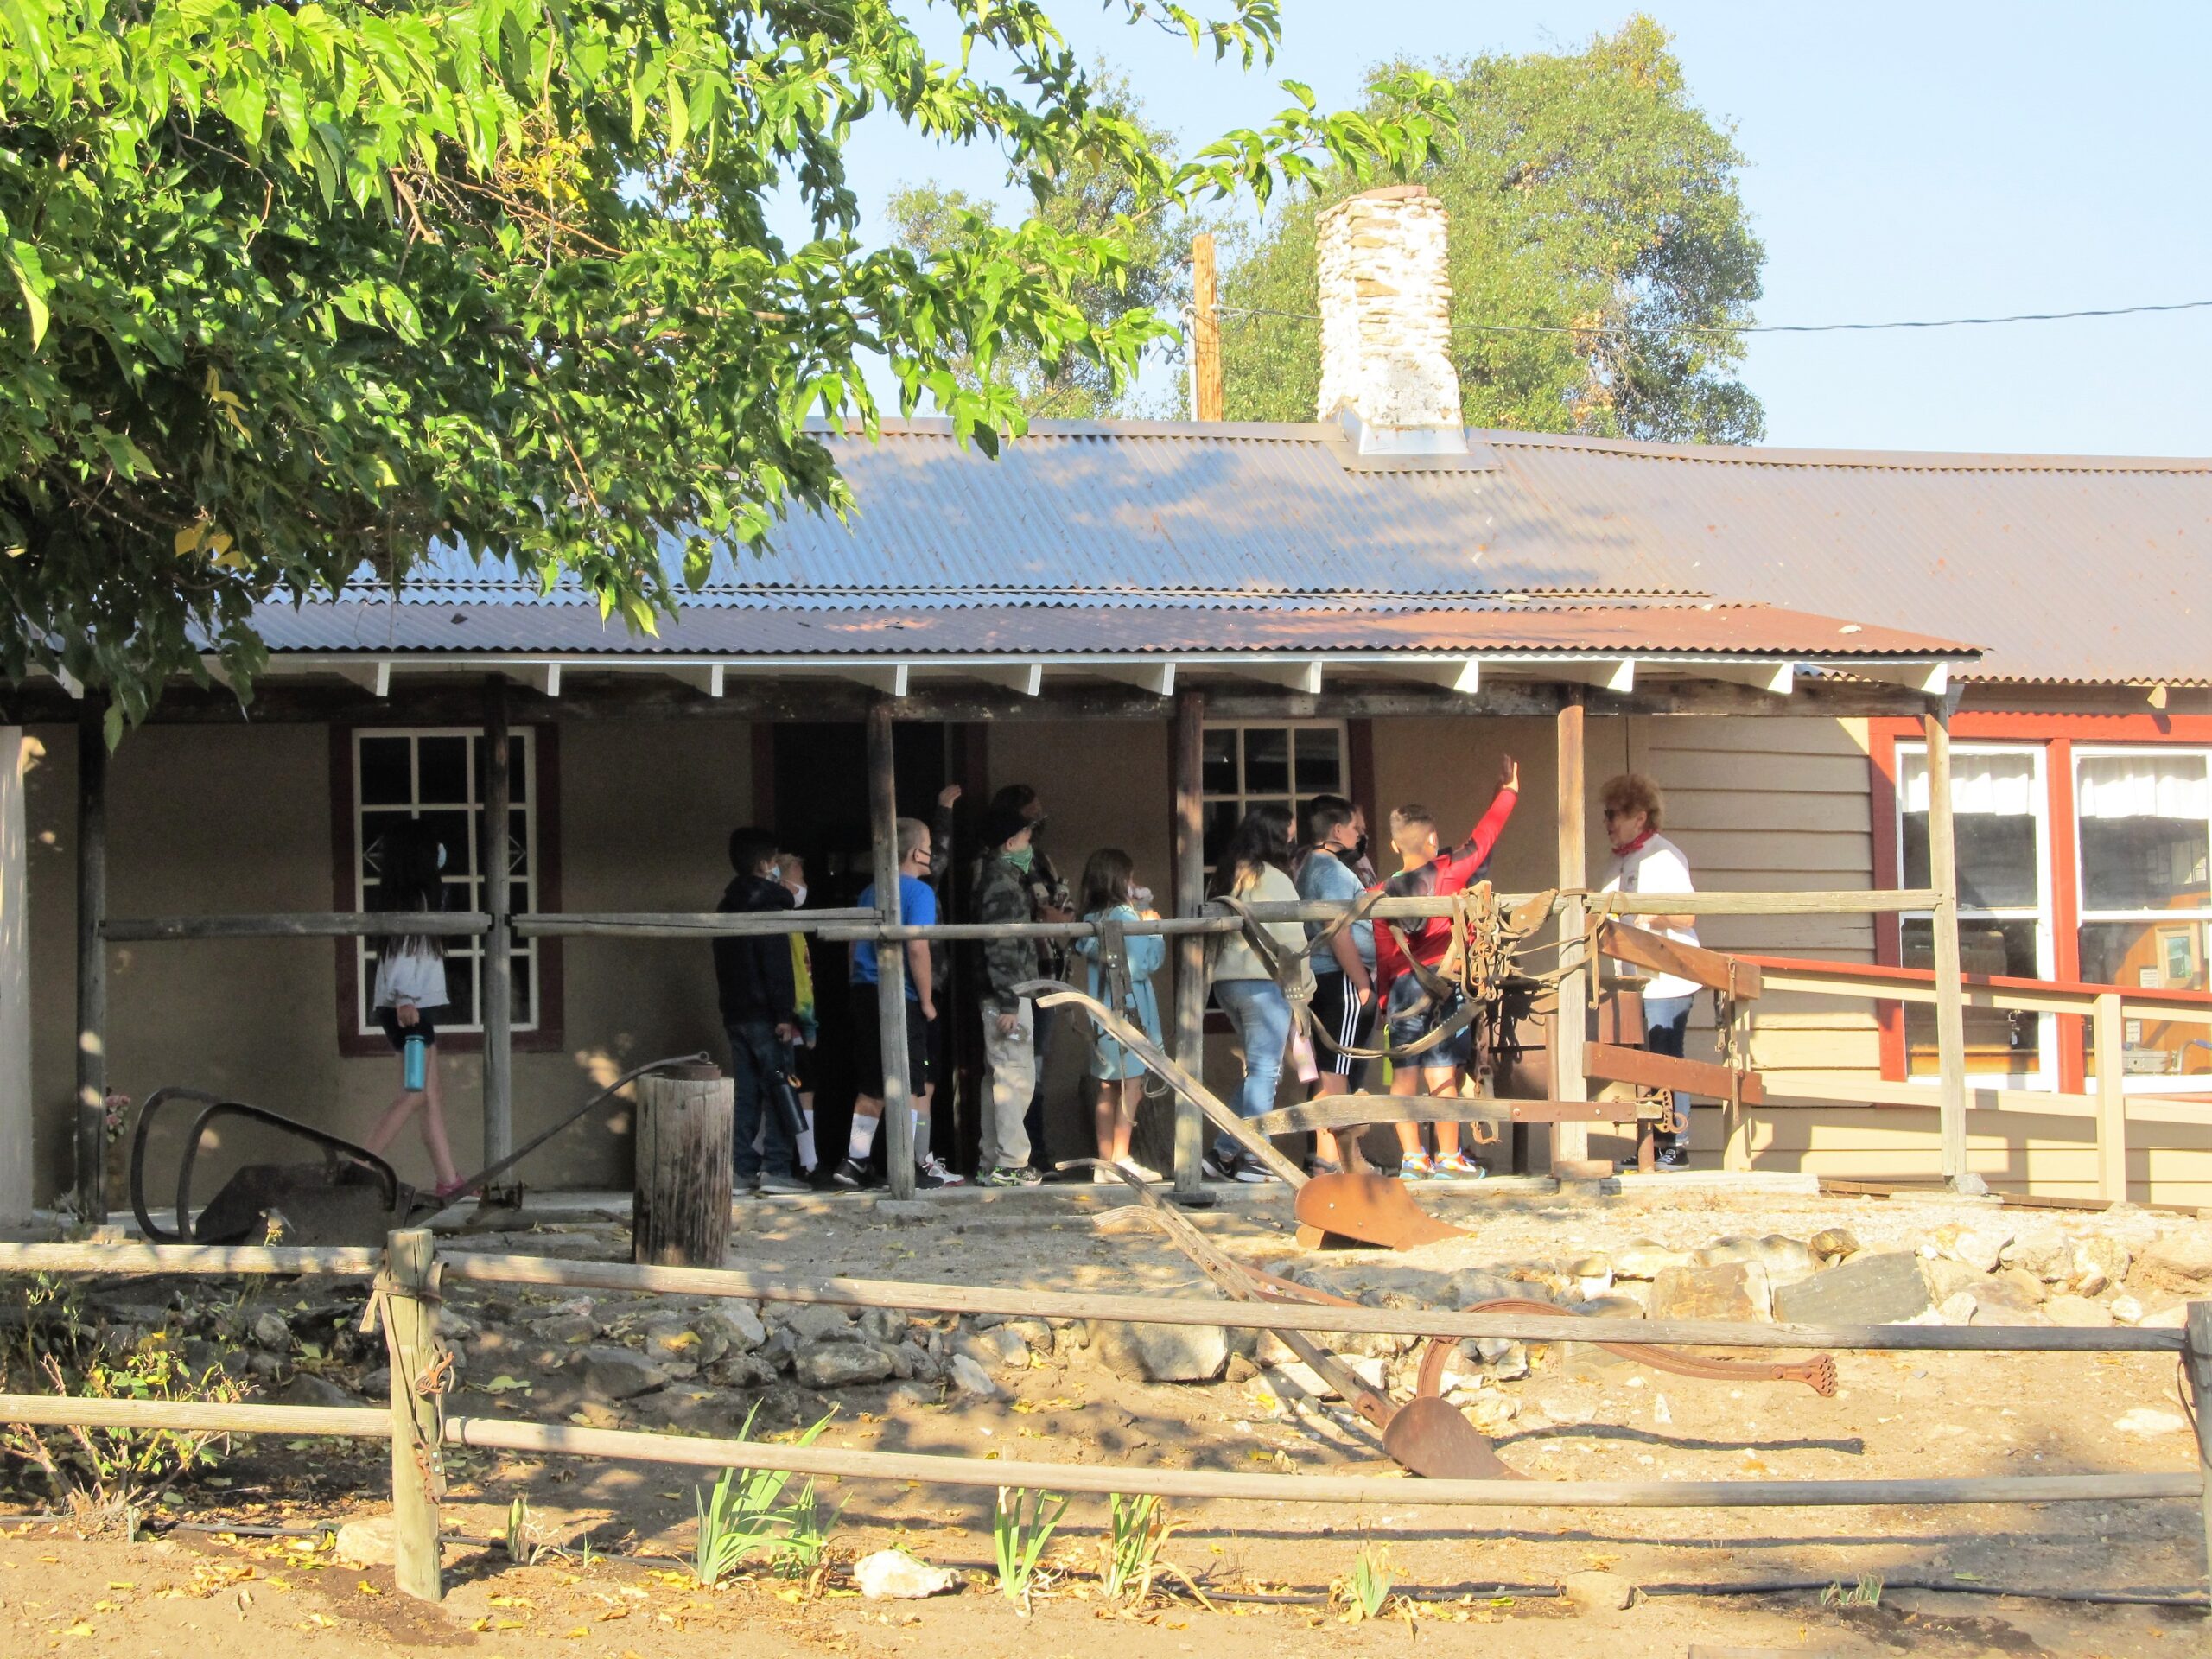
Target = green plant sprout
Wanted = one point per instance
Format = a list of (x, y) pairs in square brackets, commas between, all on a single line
[(1021, 1525), (747, 1516)]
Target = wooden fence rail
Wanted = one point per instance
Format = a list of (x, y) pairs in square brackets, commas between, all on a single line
[(408, 1278)]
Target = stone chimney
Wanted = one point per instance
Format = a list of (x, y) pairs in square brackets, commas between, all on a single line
[(1386, 324)]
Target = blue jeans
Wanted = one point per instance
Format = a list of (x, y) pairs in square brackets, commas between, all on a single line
[(1262, 1016), (1665, 1028), (755, 1056)]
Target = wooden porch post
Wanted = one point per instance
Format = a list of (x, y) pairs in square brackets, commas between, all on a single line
[(14, 985), (1188, 781), (1950, 997), (890, 956), (2109, 1033), (498, 1010), (91, 961), (1570, 1139)]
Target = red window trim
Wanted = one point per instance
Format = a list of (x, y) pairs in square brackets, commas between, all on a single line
[(2058, 734), (550, 1037)]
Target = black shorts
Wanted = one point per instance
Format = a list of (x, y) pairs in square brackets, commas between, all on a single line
[(425, 1027), (1414, 1013), (1349, 1019), (868, 1043)]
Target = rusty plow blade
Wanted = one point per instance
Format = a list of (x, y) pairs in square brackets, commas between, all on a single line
[(1427, 1436), (1366, 1209)]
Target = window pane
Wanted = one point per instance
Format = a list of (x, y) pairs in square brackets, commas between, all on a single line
[(453, 829), (518, 842), (1267, 760), (385, 778), (1320, 770), (2143, 831), (1221, 823), (1219, 771), (517, 769), (374, 827), (1997, 1040), (2149, 956), (520, 1007), (1994, 807), (444, 766), (461, 991)]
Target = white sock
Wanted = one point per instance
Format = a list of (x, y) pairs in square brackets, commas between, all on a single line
[(921, 1139), (806, 1142), (863, 1141)]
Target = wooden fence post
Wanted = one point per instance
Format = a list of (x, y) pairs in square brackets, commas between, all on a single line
[(890, 957), (680, 1201), (14, 984), (1189, 785), (92, 961), (1950, 991), (2108, 1047), (410, 1333), (2197, 1360), (498, 1011), (1570, 1140)]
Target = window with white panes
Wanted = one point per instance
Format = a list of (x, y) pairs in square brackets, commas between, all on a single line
[(2000, 815), (2143, 821), (1278, 763), (436, 776)]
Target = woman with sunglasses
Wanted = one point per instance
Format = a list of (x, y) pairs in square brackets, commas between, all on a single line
[(1646, 861)]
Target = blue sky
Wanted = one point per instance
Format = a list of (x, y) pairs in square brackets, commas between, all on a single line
[(1905, 161)]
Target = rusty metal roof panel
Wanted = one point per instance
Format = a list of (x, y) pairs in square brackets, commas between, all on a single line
[(2065, 569), (1694, 630)]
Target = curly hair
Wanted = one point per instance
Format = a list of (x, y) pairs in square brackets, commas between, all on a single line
[(1631, 791)]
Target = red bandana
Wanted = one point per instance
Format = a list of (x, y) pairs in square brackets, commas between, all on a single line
[(1636, 845)]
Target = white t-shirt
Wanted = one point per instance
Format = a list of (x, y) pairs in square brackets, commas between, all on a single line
[(1658, 867)]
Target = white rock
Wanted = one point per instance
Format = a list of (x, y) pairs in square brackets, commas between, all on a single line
[(2126, 1310), (972, 1380), (2099, 1263), (1661, 1413), (2167, 1318), (1958, 1307), (894, 1575), (1490, 1410), (367, 1542), (2144, 1420), (1979, 1250)]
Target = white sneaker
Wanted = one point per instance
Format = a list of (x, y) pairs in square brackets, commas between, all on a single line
[(1131, 1166)]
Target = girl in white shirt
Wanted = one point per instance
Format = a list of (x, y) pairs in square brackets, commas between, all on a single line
[(1646, 861), (410, 989)]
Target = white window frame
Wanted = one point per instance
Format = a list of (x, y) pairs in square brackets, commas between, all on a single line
[(463, 954), (2151, 1083), (2044, 1077), (1245, 797)]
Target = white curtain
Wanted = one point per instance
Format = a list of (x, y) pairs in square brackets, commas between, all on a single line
[(2000, 785), (2144, 785)]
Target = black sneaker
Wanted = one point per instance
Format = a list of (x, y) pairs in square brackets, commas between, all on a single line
[(1217, 1168), (1670, 1157), (932, 1174), (850, 1176), (771, 1184), (1013, 1175)]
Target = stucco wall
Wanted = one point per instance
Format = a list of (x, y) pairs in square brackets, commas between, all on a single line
[(209, 819)]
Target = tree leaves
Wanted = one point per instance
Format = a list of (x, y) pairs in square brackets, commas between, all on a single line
[(306, 291), (1600, 260)]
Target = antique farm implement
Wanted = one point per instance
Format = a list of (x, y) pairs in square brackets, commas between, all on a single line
[(348, 1196)]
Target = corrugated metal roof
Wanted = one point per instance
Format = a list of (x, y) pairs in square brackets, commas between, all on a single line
[(1001, 629), (2067, 568)]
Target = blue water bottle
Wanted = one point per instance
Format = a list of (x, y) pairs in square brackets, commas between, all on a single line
[(414, 1061)]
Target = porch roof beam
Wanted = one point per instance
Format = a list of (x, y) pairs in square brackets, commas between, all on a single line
[(1301, 675), (1777, 679), (818, 691)]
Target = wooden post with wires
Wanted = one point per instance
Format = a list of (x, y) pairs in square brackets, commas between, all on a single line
[(1206, 394), (1570, 1141), (1950, 993), (1190, 838), (2197, 1364), (409, 1311)]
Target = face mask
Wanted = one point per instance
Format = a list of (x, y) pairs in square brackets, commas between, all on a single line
[(798, 894), (1023, 860), (1359, 850)]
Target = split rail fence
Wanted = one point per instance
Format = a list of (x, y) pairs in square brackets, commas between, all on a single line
[(407, 1280)]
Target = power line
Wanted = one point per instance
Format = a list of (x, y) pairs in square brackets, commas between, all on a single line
[(1770, 327)]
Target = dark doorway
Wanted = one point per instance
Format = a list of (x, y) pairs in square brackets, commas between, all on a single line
[(820, 805)]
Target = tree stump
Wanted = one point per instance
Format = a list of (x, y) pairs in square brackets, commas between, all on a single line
[(680, 1203)]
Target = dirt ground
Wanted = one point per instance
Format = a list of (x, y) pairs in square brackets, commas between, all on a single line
[(1266, 1569)]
